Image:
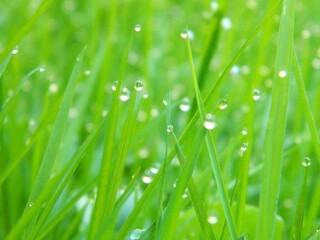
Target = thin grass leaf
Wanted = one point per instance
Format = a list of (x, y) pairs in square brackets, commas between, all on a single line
[(4, 65), (106, 164), (212, 151), (298, 223), (23, 31), (276, 125)]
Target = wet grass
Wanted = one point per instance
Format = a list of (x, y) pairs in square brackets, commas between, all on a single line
[(159, 120)]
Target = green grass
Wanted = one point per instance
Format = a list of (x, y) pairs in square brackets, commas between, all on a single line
[(159, 119)]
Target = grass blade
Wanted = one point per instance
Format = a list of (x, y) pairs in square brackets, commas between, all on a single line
[(276, 125), (212, 151)]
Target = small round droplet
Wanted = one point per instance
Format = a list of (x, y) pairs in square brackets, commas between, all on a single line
[(41, 69), (165, 102), (244, 131), (137, 28), (87, 72), (169, 128), (209, 122), (184, 34), (223, 103), (15, 50), (145, 95), (125, 94), (138, 85), (256, 94), (244, 147), (114, 86), (306, 162), (185, 105), (146, 179), (226, 23), (282, 73), (30, 204), (136, 234), (212, 219)]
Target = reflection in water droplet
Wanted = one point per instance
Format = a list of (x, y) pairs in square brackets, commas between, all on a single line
[(209, 122), (114, 86), (256, 94), (212, 219), (185, 105), (169, 128), (125, 94), (244, 147), (282, 73), (306, 162), (138, 85), (223, 103), (137, 28), (15, 50)]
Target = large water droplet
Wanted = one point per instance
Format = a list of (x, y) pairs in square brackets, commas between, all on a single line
[(256, 94), (138, 85), (125, 94), (137, 28), (169, 128), (15, 50), (306, 162), (209, 122), (185, 105), (282, 73), (223, 103)]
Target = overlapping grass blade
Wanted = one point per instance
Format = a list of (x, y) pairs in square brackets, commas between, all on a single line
[(105, 175), (212, 151), (26, 28), (276, 125)]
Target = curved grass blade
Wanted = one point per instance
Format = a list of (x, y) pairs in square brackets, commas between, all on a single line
[(276, 125), (212, 151)]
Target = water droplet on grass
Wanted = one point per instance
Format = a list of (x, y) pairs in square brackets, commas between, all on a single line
[(244, 131), (209, 122), (136, 234), (41, 69), (169, 128), (138, 85), (15, 50), (87, 72), (256, 94), (185, 105), (306, 162), (244, 147), (223, 103), (226, 23), (53, 88), (137, 28), (212, 219), (214, 6), (282, 73), (184, 34), (30, 204), (146, 179), (125, 94), (114, 86)]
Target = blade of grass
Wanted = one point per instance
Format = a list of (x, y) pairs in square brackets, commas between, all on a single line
[(212, 150), (298, 223), (26, 28), (276, 126)]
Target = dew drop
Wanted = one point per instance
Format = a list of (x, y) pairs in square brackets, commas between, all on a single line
[(185, 194), (214, 6), (30, 204), (256, 94), (125, 94), (212, 219), (185, 105), (223, 103), (169, 128), (41, 69), (138, 85), (146, 179), (282, 73), (244, 131), (235, 70), (306, 162), (145, 95), (244, 147), (15, 50), (226, 23), (136, 234), (137, 28), (114, 86), (209, 122), (164, 102), (87, 72), (184, 34), (53, 88)]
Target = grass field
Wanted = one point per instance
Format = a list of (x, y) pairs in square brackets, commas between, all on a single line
[(159, 119)]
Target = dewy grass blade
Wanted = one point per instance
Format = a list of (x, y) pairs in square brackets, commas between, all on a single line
[(276, 125), (56, 135), (212, 151)]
